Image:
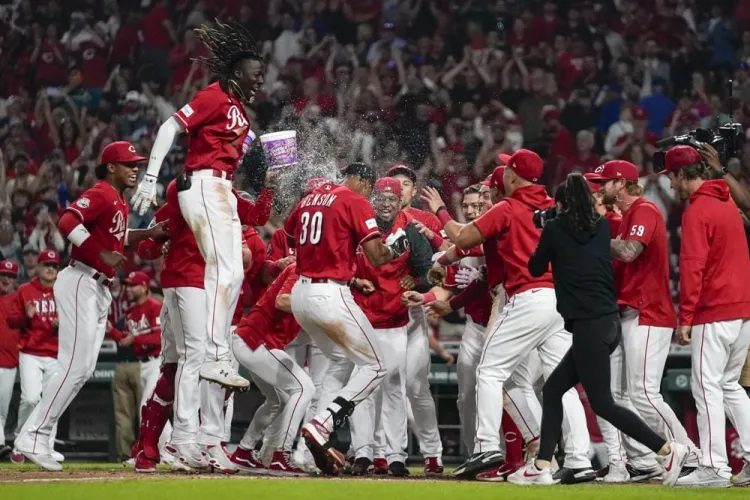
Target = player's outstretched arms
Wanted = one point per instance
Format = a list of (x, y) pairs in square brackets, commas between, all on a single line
[(145, 194)]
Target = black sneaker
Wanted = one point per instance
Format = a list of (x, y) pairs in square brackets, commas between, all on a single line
[(574, 476), (478, 462), (640, 475), (602, 473), (5, 450), (398, 469), (363, 466)]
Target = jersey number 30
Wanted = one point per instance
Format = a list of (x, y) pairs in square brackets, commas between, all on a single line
[(311, 228)]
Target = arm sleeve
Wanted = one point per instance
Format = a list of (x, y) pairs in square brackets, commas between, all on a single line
[(544, 253), (163, 143), (277, 246), (495, 220), (471, 293), (255, 214), (290, 226), (693, 253), (420, 257), (16, 316), (116, 334), (289, 281)]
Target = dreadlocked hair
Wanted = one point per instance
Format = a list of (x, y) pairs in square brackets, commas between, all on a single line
[(577, 202), (228, 43)]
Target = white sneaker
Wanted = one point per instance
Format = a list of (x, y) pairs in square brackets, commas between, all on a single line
[(219, 460), (673, 463), (59, 457), (43, 460), (743, 477), (222, 373), (165, 457), (704, 477), (130, 462), (694, 456), (529, 474), (188, 455), (618, 473)]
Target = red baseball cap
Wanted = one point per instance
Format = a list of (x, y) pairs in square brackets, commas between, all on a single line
[(615, 169), (387, 185), (594, 181), (486, 182), (496, 179), (48, 257), (402, 170), (314, 183), (120, 152), (526, 164), (680, 156), (137, 278), (503, 158), (9, 268), (640, 113)]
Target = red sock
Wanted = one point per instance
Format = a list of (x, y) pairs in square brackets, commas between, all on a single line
[(513, 441), (156, 412)]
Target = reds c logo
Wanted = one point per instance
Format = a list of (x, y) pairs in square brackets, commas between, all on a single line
[(236, 119), (118, 230), (89, 54)]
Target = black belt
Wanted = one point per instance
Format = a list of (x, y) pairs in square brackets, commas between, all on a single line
[(99, 277)]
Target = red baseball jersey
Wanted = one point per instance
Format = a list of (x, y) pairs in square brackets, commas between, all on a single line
[(267, 325), (251, 285), (104, 213), (615, 220), (38, 334), (327, 227), (480, 307), (714, 260), (119, 306), (217, 128), (644, 283), (8, 335), (511, 222), (278, 247), (430, 220), (142, 321)]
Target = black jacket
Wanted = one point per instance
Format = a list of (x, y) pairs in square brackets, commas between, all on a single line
[(581, 267)]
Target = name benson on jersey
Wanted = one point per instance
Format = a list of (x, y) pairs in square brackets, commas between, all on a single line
[(319, 200)]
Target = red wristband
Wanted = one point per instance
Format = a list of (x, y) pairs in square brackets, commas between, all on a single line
[(444, 216), (436, 241), (428, 298)]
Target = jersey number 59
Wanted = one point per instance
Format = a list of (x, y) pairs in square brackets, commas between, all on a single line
[(637, 230), (311, 228)]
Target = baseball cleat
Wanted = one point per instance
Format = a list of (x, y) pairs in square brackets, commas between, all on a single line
[(59, 457), (327, 458), (281, 465), (218, 460), (704, 477), (638, 475), (574, 476), (433, 466), (742, 478), (17, 457), (222, 373), (498, 474), (144, 465), (477, 463), (380, 467), (617, 473), (44, 460), (673, 463), (188, 455), (363, 466), (398, 469), (248, 461), (529, 474)]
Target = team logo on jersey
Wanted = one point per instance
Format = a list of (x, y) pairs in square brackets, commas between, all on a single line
[(83, 202), (118, 230), (371, 224), (187, 110), (89, 54), (236, 119)]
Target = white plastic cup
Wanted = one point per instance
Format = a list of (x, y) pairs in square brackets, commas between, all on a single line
[(280, 148)]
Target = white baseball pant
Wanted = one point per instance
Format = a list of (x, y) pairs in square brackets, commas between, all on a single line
[(528, 322), (150, 371), (307, 355), (35, 373), (210, 209), (378, 424), (82, 308), (420, 400), (213, 399), (646, 349), (719, 351), (620, 446), (288, 390), (184, 340), (7, 381), (469, 352), (328, 313)]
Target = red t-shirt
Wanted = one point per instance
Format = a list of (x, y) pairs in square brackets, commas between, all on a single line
[(38, 335), (8, 335), (327, 226), (615, 220), (267, 325), (123, 44), (48, 68), (142, 320), (104, 213), (217, 126), (155, 35), (511, 221), (644, 283), (93, 65)]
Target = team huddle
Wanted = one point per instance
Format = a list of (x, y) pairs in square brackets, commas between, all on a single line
[(343, 299)]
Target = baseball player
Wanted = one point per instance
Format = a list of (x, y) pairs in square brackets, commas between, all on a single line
[(647, 311), (378, 292), (217, 127), (34, 314), (528, 322), (8, 346), (327, 226), (421, 402), (96, 225), (714, 310)]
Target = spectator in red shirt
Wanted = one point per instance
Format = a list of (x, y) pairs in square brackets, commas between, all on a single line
[(157, 29), (563, 146), (545, 26), (181, 59), (584, 160), (49, 58)]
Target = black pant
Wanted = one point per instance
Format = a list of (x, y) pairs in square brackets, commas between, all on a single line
[(587, 361)]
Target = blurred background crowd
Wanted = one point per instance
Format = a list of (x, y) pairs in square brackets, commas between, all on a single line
[(440, 85)]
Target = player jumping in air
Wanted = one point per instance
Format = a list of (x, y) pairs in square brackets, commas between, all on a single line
[(217, 128)]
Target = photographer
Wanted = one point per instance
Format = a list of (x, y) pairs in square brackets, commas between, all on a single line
[(577, 244), (714, 307), (736, 190)]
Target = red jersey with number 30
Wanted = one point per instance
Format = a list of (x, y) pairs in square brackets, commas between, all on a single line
[(104, 213), (327, 226), (217, 128), (644, 283)]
